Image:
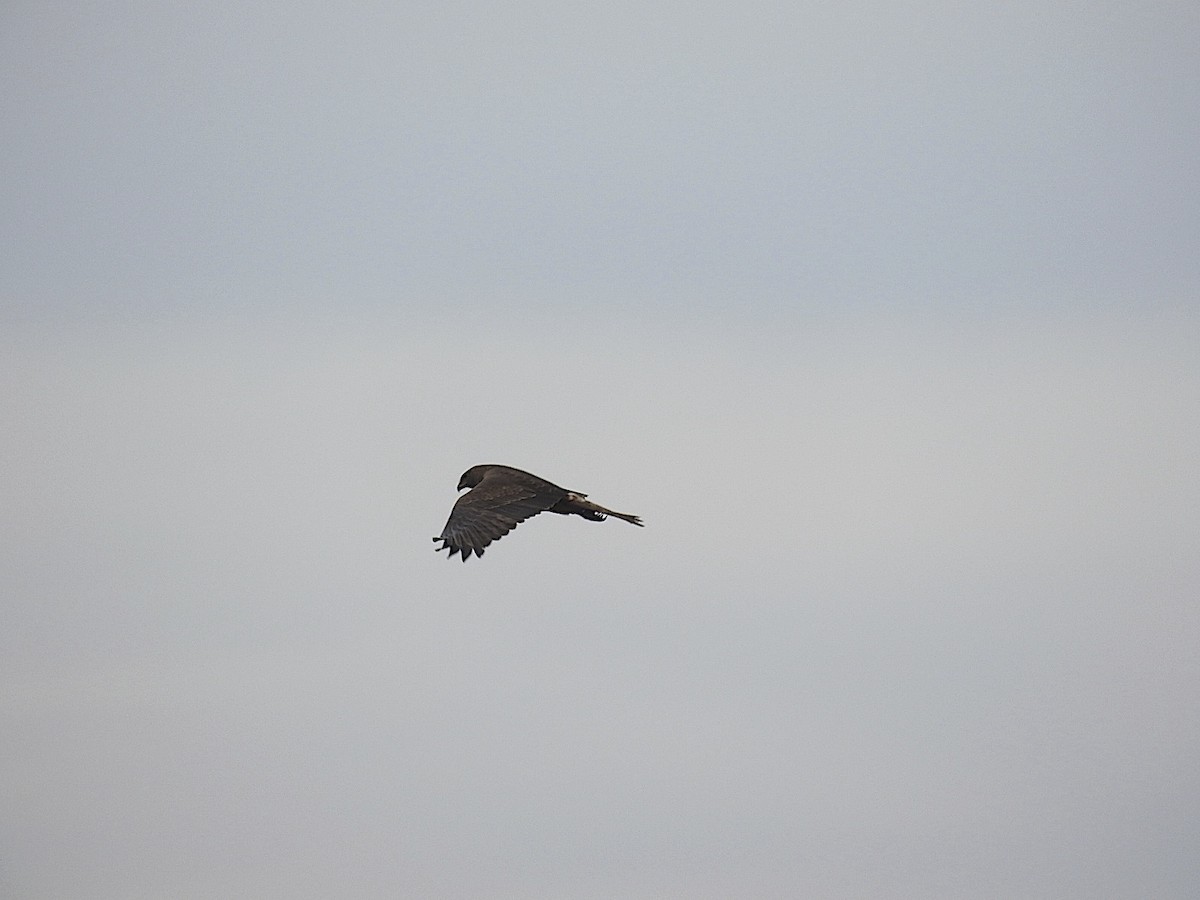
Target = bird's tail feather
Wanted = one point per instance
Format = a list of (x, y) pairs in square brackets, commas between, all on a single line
[(596, 507)]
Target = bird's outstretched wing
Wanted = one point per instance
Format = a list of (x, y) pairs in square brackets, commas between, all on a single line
[(493, 508)]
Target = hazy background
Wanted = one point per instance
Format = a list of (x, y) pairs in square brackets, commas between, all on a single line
[(883, 316)]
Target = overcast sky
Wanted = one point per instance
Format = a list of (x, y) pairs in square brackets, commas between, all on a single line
[(884, 317)]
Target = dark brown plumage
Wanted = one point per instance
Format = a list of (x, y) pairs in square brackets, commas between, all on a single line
[(501, 498)]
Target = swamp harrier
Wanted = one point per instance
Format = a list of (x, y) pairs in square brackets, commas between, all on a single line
[(502, 497)]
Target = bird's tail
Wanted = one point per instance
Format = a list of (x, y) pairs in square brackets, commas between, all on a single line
[(597, 508)]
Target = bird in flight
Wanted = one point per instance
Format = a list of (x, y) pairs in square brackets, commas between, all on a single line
[(501, 498)]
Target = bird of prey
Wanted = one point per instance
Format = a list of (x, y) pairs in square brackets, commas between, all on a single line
[(502, 497)]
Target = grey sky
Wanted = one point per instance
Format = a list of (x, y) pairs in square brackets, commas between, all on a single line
[(883, 317), (768, 155)]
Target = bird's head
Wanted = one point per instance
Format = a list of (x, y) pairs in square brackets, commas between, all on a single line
[(472, 477)]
